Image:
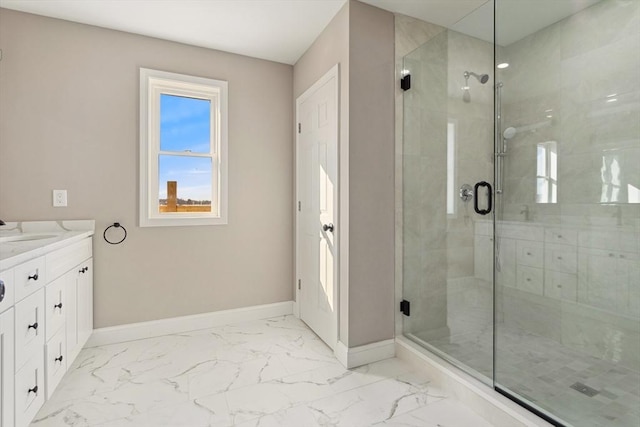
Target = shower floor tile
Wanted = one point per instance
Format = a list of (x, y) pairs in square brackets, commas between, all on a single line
[(542, 371), (274, 372)]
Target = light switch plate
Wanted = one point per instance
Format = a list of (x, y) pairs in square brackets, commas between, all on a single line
[(59, 198)]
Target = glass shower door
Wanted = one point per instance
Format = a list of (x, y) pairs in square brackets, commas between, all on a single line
[(447, 246), (568, 224)]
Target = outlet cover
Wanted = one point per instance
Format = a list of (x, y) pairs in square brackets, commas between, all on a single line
[(59, 198)]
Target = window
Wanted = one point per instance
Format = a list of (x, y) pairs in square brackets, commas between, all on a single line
[(183, 150), (451, 168), (547, 172)]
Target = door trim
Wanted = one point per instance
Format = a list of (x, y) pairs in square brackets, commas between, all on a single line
[(334, 72)]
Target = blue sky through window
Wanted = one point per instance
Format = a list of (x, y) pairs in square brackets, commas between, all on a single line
[(185, 127)]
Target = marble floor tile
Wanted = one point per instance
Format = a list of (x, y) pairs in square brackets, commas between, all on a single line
[(274, 372)]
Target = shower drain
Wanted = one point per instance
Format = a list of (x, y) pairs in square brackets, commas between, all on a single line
[(584, 389)]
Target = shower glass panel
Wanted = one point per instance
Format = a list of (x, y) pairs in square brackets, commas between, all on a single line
[(447, 247), (567, 278)]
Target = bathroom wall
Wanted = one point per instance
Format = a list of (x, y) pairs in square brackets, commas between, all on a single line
[(69, 120), (360, 38), (559, 88), (371, 171)]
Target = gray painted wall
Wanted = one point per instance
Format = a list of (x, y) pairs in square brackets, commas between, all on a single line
[(69, 120), (371, 175)]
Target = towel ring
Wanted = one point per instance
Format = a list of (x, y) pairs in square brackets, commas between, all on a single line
[(114, 225)]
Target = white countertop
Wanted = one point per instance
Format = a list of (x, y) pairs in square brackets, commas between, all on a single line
[(62, 234)]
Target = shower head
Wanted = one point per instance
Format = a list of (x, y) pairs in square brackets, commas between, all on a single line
[(482, 78), (509, 132)]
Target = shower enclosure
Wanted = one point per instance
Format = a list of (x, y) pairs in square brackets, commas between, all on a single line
[(520, 203)]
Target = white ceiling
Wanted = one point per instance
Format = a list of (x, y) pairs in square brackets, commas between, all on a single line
[(282, 30), (277, 30)]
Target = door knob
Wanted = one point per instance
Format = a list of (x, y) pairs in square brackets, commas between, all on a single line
[(328, 227)]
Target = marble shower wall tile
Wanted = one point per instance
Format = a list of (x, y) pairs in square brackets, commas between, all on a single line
[(570, 71)]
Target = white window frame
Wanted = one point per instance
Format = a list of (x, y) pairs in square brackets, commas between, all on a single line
[(153, 84)]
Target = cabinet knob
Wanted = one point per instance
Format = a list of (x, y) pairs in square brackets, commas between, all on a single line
[(560, 258), (34, 277), (529, 253), (58, 359), (59, 305), (34, 326), (33, 390), (3, 289)]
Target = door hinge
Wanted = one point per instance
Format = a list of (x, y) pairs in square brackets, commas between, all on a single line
[(405, 82), (299, 127), (299, 284), (405, 307), (299, 206)]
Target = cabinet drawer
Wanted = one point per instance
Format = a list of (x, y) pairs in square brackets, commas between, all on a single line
[(7, 289), (29, 277), (562, 258), (29, 337), (64, 259), (530, 253), (30, 393), (56, 303), (561, 236), (530, 279), (561, 285), (56, 360)]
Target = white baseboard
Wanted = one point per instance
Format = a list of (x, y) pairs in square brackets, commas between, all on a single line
[(358, 356), (479, 397), (156, 328)]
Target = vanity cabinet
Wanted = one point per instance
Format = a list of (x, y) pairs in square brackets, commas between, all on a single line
[(46, 317)]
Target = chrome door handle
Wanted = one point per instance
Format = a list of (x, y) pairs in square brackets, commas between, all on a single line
[(328, 227)]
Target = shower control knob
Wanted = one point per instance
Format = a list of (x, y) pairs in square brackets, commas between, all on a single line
[(328, 227)]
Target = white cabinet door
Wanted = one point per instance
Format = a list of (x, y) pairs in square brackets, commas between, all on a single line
[(85, 302), (7, 369), (30, 393), (56, 303), (55, 360), (29, 328), (71, 322), (80, 313)]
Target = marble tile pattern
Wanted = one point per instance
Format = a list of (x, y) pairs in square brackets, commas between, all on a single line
[(576, 82), (274, 372)]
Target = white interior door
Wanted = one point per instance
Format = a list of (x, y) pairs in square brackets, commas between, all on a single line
[(317, 187)]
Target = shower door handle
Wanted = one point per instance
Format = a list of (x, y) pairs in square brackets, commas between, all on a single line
[(489, 197)]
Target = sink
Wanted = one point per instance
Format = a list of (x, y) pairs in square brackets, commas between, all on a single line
[(26, 237)]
